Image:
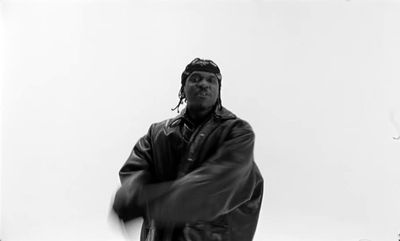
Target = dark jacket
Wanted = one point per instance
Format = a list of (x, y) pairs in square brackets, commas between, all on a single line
[(193, 183)]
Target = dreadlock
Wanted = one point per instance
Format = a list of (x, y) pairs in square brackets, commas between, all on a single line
[(182, 97)]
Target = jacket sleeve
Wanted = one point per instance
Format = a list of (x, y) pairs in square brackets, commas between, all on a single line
[(134, 174), (222, 183)]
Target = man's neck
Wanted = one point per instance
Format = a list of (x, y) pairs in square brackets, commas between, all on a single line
[(199, 115)]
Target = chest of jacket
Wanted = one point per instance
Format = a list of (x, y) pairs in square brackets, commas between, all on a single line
[(177, 152)]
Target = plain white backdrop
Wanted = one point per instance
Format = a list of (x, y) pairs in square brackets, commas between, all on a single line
[(319, 82)]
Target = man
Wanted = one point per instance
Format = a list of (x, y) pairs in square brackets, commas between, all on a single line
[(193, 177)]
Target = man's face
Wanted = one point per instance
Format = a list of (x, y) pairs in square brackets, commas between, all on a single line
[(201, 90)]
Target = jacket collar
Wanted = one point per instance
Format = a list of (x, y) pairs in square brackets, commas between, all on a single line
[(223, 113), (219, 113)]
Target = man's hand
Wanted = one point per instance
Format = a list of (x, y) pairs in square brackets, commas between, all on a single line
[(127, 204)]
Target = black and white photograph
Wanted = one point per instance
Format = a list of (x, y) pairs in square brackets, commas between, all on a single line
[(200, 120)]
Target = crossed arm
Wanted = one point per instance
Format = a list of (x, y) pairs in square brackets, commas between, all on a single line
[(220, 184)]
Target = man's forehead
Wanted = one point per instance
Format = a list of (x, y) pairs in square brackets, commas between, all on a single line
[(203, 73)]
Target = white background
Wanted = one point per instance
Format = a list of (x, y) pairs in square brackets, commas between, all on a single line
[(318, 81)]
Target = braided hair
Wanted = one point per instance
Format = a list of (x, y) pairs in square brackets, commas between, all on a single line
[(199, 65)]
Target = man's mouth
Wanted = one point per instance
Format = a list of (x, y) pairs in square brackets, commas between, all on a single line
[(203, 93)]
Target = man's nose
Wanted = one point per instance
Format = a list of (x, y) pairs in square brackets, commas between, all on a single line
[(203, 83)]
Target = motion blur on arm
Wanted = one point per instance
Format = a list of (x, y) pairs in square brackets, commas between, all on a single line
[(193, 177)]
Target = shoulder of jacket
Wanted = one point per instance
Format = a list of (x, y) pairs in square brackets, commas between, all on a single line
[(240, 124), (161, 124), (230, 117), (224, 114)]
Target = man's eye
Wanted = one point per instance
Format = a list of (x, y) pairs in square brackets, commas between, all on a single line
[(212, 80), (195, 79)]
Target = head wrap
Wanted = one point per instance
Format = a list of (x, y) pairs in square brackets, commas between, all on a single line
[(201, 65)]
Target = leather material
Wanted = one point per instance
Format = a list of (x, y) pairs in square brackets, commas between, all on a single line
[(193, 183)]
